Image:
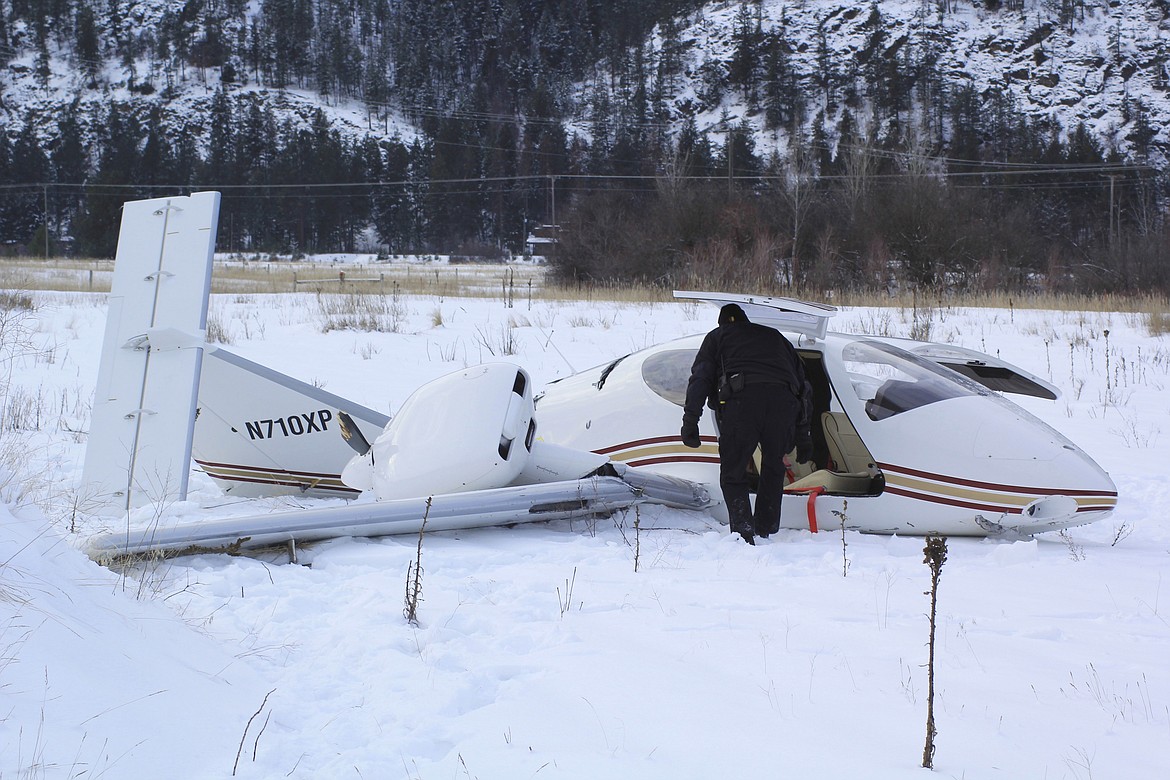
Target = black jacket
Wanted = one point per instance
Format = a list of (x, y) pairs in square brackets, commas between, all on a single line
[(761, 354)]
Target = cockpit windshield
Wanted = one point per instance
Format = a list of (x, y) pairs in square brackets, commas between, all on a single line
[(667, 373), (890, 380)]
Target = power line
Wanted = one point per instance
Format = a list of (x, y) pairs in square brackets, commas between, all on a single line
[(432, 184)]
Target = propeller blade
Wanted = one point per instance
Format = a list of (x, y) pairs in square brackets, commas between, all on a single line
[(352, 434)]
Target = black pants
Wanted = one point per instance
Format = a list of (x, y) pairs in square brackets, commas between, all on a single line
[(761, 415)]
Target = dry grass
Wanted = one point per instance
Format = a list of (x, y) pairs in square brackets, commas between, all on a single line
[(1154, 306), (910, 299), (69, 275), (360, 311), (487, 280), (524, 282), (1158, 322), (490, 280), (16, 299)]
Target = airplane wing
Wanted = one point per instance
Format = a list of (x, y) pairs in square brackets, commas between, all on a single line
[(261, 433), (991, 372), (615, 487)]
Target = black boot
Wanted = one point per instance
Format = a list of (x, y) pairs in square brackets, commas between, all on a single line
[(766, 520), (740, 514)]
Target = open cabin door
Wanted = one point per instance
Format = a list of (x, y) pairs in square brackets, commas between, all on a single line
[(787, 315)]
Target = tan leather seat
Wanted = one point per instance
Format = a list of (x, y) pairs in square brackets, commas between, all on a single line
[(845, 447), (855, 471), (844, 483)]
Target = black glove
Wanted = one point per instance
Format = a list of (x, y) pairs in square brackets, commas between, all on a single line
[(690, 433), (804, 449)]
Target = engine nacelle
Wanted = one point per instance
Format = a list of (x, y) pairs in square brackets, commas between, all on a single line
[(469, 430)]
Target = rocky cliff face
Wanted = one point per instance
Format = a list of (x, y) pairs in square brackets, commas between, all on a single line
[(1103, 64)]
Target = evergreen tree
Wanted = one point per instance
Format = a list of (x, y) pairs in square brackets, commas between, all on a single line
[(744, 162), (184, 161), (669, 70), (220, 167), (631, 149), (42, 66), (746, 36), (13, 216), (929, 84), (288, 24), (1091, 202), (257, 221), (711, 83), (96, 230), (24, 210), (965, 142), (505, 201), (391, 200), (600, 131), (69, 164), (451, 202), (1142, 132), (88, 46), (258, 53), (825, 76), (325, 161), (6, 51), (544, 153), (29, 164), (693, 151), (419, 228), (156, 161), (820, 146), (782, 98), (376, 83), (209, 49)]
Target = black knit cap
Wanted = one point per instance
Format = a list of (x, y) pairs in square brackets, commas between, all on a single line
[(731, 313)]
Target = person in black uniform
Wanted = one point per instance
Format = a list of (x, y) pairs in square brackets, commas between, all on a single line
[(751, 376)]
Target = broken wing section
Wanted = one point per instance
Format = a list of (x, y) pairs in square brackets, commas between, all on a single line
[(261, 433), (589, 497)]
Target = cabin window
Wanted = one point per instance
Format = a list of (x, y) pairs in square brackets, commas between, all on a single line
[(667, 373), (891, 381)]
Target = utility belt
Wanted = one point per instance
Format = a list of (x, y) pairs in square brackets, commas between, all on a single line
[(730, 384)]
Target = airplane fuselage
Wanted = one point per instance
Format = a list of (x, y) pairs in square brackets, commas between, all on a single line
[(903, 445)]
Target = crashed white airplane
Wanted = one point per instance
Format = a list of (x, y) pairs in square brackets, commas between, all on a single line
[(586, 445)]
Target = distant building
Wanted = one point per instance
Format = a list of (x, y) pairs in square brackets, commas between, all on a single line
[(543, 240)]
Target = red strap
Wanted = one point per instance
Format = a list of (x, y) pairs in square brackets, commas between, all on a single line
[(812, 507), (812, 492)]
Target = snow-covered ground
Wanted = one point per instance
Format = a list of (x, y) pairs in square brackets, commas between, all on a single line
[(541, 651)]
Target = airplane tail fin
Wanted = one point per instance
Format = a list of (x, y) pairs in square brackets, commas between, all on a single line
[(261, 433), (143, 413)]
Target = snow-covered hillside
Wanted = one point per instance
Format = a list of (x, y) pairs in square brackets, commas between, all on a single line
[(1103, 66), (1098, 62)]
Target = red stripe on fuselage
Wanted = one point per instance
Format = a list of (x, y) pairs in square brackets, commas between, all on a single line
[(1038, 491)]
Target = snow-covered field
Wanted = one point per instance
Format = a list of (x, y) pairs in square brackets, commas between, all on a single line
[(541, 651)]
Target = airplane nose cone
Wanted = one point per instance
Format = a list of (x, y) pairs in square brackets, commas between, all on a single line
[(1079, 492), (1051, 508)]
